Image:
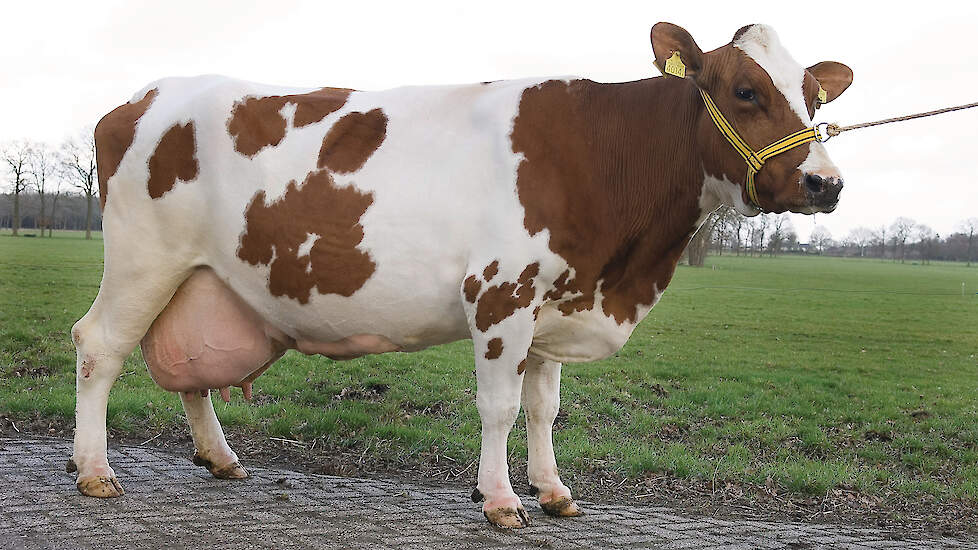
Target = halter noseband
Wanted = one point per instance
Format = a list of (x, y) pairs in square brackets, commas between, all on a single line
[(755, 160)]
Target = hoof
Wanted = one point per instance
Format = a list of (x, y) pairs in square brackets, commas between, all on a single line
[(70, 466), (508, 518), (100, 486), (230, 471), (562, 507)]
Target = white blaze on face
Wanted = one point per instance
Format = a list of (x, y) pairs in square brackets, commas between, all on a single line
[(761, 44)]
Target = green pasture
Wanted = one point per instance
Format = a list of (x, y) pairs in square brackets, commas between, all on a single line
[(811, 373)]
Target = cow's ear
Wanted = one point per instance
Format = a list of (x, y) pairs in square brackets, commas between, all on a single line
[(833, 77), (667, 40)]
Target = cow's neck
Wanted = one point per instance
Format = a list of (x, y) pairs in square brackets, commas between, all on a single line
[(624, 160)]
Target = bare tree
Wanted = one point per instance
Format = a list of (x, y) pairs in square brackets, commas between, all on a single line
[(760, 230), (925, 241), (737, 225), (781, 228), (78, 161), (42, 171), (900, 231), (860, 237), (721, 229), (880, 236), (16, 157), (54, 205), (699, 244), (969, 227), (821, 238)]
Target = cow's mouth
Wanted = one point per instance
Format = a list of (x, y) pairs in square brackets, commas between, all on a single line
[(809, 209), (821, 193)]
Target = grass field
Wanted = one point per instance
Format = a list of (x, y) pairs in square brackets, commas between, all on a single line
[(808, 373)]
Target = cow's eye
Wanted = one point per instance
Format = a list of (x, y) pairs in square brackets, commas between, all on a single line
[(745, 94)]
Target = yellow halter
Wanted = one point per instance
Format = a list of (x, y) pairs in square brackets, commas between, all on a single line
[(755, 160)]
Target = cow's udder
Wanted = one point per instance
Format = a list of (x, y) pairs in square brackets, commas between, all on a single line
[(208, 337)]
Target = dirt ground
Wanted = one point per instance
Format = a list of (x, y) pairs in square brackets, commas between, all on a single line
[(905, 518)]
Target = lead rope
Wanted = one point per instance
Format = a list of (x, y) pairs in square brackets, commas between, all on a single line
[(833, 129)]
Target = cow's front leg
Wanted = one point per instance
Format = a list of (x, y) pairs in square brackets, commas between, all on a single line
[(541, 401), (498, 399), (211, 449), (500, 353)]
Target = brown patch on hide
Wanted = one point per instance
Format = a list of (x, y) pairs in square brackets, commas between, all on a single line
[(495, 348), (616, 212), (175, 158), (257, 122), (500, 301), (352, 140), (113, 137), (521, 367), (471, 288), (560, 287), (490, 271), (274, 232)]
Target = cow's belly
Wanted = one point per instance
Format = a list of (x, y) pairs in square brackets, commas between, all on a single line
[(579, 337), (412, 301)]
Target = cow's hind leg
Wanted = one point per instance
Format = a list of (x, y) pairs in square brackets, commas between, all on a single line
[(131, 296), (211, 449), (541, 401)]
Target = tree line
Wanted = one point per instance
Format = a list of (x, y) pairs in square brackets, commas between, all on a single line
[(50, 187), (727, 232)]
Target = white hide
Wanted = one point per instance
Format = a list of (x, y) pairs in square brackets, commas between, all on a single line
[(718, 191)]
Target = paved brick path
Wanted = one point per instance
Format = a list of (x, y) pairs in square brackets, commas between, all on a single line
[(170, 503)]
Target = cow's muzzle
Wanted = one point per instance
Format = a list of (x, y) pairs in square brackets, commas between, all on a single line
[(822, 192)]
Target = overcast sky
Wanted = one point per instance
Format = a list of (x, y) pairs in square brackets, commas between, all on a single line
[(65, 64)]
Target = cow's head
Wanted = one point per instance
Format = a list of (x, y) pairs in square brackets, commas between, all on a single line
[(765, 95)]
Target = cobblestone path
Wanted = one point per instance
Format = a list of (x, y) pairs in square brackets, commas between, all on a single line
[(170, 503)]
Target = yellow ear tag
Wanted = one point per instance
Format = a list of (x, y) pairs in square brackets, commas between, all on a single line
[(822, 96), (675, 66)]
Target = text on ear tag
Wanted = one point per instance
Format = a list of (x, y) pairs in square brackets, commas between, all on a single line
[(675, 66), (822, 95)]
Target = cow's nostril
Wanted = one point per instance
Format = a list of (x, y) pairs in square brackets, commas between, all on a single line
[(814, 183)]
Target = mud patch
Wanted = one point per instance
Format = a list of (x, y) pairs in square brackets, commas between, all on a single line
[(370, 392)]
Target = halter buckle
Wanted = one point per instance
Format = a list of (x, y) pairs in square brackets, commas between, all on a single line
[(823, 135)]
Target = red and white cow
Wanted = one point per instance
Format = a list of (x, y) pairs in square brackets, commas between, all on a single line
[(541, 218)]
